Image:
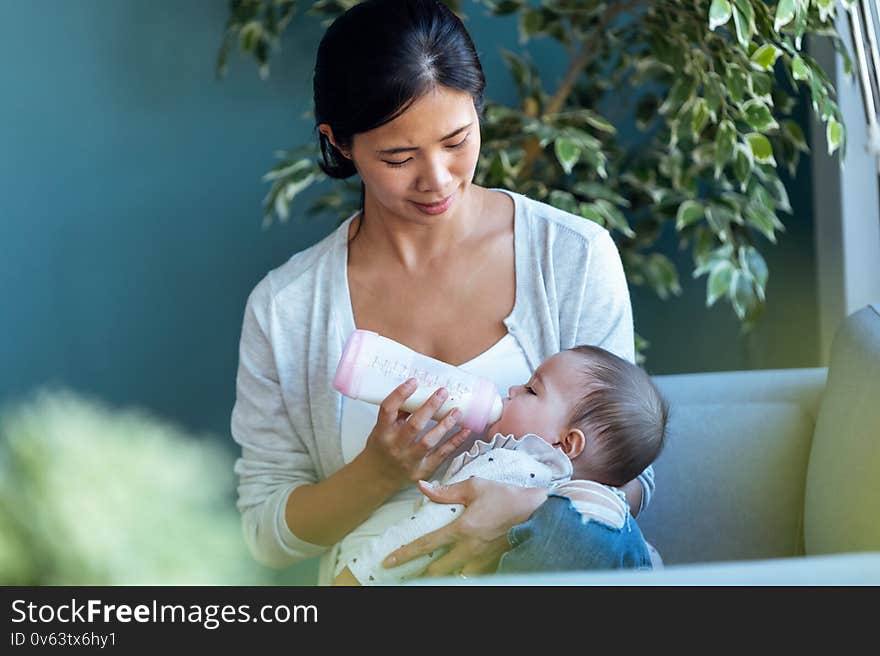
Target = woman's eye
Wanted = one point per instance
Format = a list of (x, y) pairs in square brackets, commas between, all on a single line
[(460, 143)]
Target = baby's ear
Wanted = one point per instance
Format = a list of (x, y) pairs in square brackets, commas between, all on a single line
[(573, 443)]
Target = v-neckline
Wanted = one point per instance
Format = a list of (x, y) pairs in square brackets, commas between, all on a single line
[(347, 315)]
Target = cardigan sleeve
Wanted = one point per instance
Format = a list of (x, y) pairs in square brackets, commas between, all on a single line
[(274, 461), (606, 318)]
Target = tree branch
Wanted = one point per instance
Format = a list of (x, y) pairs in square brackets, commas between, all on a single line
[(575, 68)]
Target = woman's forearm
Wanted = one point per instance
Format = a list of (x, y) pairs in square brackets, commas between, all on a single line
[(324, 513)]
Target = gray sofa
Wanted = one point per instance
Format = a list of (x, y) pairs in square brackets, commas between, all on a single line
[(768, 477)]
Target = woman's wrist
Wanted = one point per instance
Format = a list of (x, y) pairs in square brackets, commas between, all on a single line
[(382, 478), (530, 500)]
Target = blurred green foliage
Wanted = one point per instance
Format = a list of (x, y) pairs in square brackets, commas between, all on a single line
[(95, 496)]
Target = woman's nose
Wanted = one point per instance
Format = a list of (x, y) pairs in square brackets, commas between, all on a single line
[(435, 175)]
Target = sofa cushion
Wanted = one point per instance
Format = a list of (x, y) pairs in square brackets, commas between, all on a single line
[(730, 482), (842, 502)]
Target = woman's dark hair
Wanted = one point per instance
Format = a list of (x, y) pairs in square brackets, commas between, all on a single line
[(378, 58)]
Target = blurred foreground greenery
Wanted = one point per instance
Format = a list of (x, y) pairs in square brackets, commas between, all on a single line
[(90, 495)]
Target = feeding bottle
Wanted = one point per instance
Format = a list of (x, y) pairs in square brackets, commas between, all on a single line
[(371, 366)]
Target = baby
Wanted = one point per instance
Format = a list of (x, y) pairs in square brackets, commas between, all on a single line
[(587, 415)]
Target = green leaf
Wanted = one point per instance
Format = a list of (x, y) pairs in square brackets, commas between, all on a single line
[(761, 86), (530, 23), (784, 13), (826, 9), (614, 217), (593, 190), (741, 293), (700, 117), (780, 196), (758, 116), (833, 135), (713, 92), (680, 92), (794, 132), (765, 57), (689, 212), (719, 13), (742, 164), (505, 7), (719, 281), (591, 212), (799, 69), (725, 140), (563, 200), (567, 152), (762, 219), (703, 243), (736, 83), (753, 262), (744, 20), (761, 148), (662, 275)]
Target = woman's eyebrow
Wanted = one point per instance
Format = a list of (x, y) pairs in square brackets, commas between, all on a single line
[(394, 151)]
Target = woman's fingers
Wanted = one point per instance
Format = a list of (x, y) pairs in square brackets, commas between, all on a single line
[(451, 562), (461, 492), (435, 436), (424, 545), (489, 563), (390, 406), (420, 418)]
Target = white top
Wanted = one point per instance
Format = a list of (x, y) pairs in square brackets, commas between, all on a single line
[(504, 362), (287, 419)]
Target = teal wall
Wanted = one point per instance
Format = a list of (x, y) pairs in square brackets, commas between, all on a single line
[(130, 212)]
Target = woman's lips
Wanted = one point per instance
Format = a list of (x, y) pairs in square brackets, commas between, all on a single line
[(438, 208)]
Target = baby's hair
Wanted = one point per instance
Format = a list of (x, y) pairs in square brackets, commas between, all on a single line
[(624, 410)]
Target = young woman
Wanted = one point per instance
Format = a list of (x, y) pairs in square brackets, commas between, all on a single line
[(486, 279)]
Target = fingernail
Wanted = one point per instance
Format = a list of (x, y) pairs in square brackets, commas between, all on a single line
[(426, 483), (411, 382), (389, 561)]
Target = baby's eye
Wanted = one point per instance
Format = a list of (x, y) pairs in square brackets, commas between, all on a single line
[(530, 390)]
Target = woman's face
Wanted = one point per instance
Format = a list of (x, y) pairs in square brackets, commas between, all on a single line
[(425, 155)]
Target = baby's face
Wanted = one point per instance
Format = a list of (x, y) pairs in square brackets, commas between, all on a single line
[(544, 404)]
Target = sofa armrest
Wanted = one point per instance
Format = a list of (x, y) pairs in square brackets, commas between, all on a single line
[(838, 569)]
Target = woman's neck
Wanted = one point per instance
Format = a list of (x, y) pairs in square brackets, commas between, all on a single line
[(414, 245)]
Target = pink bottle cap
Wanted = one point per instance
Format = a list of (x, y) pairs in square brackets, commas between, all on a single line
[(479, 412), (348, 376)]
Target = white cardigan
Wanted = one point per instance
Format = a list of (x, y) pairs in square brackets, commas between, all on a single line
[(570, 290)]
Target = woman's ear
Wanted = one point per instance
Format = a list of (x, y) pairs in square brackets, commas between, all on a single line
[(572, 443), (327, 131)]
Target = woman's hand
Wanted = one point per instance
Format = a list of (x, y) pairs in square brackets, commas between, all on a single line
[(392, 448), (479, 536)]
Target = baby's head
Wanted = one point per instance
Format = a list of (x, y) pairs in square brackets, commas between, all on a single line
[(602, 411)]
